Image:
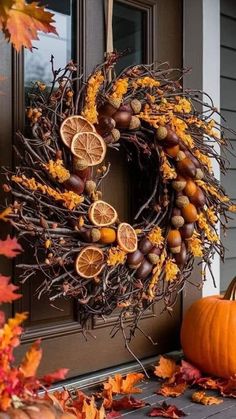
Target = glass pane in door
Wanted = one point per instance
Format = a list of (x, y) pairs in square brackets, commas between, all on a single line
[(129, 34), (37, 64)]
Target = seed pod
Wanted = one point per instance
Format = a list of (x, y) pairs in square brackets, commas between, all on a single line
[(174, 239), (110, 107), (199, 174), (74, 184), (179, 183), (90, 186), (105, 125), (161, 133), (115, 133), (134, 123), (177, 221), (144, 269), (135, 259), (182, 201), (172, 151), (136, 106), (189, 212), (190, 188), (181, 257), (145, 245), (187, 231), (199, 198), (185, 166), (122, 119)]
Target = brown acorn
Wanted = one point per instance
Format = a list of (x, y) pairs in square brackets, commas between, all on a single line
[(171, 138), (144, 269), (105, 125), (182, 201), (179, 183), (110, 107), (172, 151), (193, 158), (199, 198), (189, 212), (161, 133), (190, 188), (181, 257), (177, 221), (145, 245), (135, 259), (187, 231), (174, 241), (74, 184), (122, 119), (185, 166), (136, 106)]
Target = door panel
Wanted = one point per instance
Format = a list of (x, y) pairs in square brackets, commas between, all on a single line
[(58, 324)]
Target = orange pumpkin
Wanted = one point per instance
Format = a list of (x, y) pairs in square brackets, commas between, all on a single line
[(208, 334)]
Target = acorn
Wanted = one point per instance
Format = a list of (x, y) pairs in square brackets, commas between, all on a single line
[(134, 123), (144, 269), (122, 119), (171, 138), (79, 164), (185, 166), (110, 107), (177, 221), (135, 259), (74, 184), (187, 231), (145, 245), (190, 188), (172, 151), (90, 186), (182, 201), (193, 158), (90, 235), (181, 257), (174, 241), (199, 174), (105, 125), (136, 105), (199, 198), (161, 133), (115, 133), (189, 212), (179, 183), (95, 235)]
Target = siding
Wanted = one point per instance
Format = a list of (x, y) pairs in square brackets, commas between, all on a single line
[(228, 109)]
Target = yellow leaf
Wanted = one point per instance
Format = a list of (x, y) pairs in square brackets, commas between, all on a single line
[(166, 368), (4, 214), (202, 398), (31, 360), (126, 385)]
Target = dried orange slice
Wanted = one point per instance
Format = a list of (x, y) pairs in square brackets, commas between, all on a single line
[(73, 125), (127, 238), (102, 214), (89, 146), (89, 262)]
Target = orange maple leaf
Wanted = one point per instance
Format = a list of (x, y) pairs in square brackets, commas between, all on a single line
[(55, 376), (21, 22), (90, 410), (10, 247), (31, 360), (7, 291), (125, 385), (166, 368), (202, 398), (172, 390)]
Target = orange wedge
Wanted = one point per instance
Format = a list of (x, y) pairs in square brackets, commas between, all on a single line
[(102, 214), (89, 146), (89, 262), (127, 238), (73, 125)]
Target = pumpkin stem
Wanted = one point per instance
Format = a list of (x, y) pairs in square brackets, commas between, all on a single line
[(231, 291)]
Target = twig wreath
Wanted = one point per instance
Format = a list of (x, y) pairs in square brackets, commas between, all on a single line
[(81, 247)]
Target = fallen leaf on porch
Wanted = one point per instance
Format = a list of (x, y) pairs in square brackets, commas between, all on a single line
[(125, 385), (7, 211), (202, 398), (107, 395), (10, 247), (167, 411), (90, 411), (7, 290), (208, 383), (166, 368), (229, 388), (20, 22), (113, 414), (128, 402), (172, 390), (55, 376), (189, 373), (31, 360)]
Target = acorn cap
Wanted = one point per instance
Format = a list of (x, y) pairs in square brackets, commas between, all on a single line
[(153, 258), (95, 235), (134, 123), (182, 201), (115, 135), (90, 186), (177, 221), (199, 174), (114, 102), (181, 156), (176, 249), (161, 133), (80, 164), (178, 185), (136, 105)]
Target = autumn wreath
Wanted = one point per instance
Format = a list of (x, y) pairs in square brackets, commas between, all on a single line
[(79, 243)]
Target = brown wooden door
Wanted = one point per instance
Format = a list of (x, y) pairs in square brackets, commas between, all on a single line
[(153, 31)]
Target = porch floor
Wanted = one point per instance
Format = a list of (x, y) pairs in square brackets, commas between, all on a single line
[(225, 410)]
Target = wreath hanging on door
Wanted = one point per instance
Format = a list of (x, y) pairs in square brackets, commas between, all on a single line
[(81, 247)]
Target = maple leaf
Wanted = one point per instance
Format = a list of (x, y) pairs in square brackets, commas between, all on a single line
[(21, 22), (172, 390), (90, 410), (113, 414), (189, 373), (167, 411), (6, 212), (202, 398), (107, 395), (208, 383), (7, 290), (166, 368), (55, 376), (10, 247), (31, 360), (228, 389), (125, 385), (128, 402)]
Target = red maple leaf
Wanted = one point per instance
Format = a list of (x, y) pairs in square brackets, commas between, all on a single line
[(166, 411), (228, 389), (128, 402), (113, 414), (55, 376), (7, 290), (189, 373), (10, 247)]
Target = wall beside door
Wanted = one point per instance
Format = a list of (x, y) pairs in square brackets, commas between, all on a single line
[(228, 109)]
